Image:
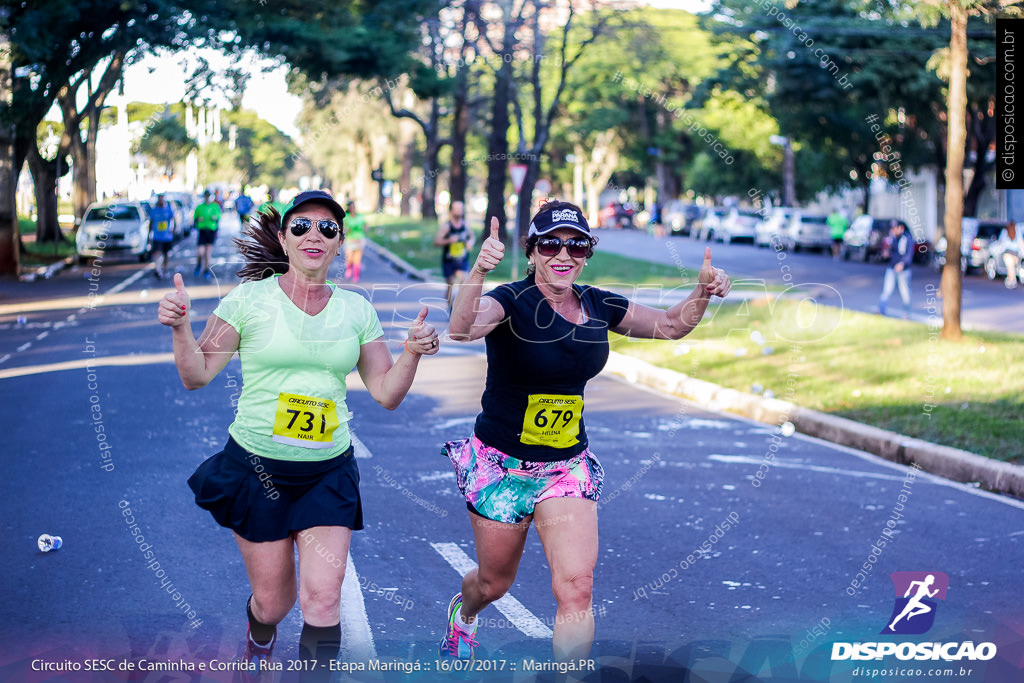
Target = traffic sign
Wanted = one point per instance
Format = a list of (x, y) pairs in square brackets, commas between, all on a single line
[(518, 172)]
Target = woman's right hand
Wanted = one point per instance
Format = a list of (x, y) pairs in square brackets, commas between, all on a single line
[(491, 251), (174, 306)]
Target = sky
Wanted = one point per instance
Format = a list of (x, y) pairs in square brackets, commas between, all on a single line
[(159, 79)]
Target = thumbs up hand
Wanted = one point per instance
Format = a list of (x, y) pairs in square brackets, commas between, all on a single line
[(422, 337), (714, 280), (175, 305), (491, 251)]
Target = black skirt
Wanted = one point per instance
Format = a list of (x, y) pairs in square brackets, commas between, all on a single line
[(267, 499)]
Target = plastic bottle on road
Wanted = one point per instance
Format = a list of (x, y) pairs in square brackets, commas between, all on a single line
[(47, 543)]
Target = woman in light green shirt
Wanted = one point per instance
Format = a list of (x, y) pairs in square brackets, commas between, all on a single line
[(287, 479)]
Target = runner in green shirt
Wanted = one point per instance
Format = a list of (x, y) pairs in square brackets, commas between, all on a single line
[(355, 242), (207, 220), (837, 225)]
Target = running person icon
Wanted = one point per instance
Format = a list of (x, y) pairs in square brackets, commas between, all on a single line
[(529, 458), (914, 606), (287, 480)]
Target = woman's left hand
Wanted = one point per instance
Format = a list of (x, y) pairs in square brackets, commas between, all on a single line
[(715, 280), (422, 337)]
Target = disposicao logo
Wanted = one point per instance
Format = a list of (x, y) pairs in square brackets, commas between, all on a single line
[(917, 595), (914, 611)]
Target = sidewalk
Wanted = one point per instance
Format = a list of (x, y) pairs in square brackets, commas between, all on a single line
[(951, 463)]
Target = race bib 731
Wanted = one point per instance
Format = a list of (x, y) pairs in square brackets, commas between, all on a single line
[(305, 421), (552, 420)]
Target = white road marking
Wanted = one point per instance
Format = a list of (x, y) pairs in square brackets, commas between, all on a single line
[(24, 346), (42, 335), (356, 636), (128, 281), (513, 610), (747, 460), (358, 448), (5, 358)]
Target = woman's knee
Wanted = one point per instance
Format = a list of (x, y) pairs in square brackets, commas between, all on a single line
[(271, 607), (321, 600), (576, 591)]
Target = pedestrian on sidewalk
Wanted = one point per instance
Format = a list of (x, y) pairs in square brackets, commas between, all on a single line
[(529, 458), (897, 274), (287, 480), (207, 220), (456, 241), (161, 217), (355, 242)]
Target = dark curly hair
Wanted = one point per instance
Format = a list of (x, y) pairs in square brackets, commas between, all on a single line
[(529, 243), (261, 248)]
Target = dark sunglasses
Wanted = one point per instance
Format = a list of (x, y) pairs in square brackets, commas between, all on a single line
[(327, 228), (578, 247)]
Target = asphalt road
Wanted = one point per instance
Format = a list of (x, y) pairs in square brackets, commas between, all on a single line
[(848, 284), (727, 552)]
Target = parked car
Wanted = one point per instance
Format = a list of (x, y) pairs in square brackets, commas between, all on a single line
[(681, 218), (865, 238), (616, 215), (770, 229), (995, 267), (115, 228), (711, 222), (975, 238), (806, 232), (738, 224)]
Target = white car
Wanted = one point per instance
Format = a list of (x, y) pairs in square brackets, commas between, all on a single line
[(770, 229), (738, 224), (115, 228), (807, 232)]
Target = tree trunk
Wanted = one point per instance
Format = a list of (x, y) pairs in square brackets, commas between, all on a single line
[(460, 130), (44, 180), (957, 107), (9, 242), (405, 179), (983, 130), (497, 145)]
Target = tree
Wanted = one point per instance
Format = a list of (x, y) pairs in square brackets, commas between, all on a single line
[(166, 143), (958, 12)]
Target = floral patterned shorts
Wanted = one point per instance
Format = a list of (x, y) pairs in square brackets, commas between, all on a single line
[(506, 489)]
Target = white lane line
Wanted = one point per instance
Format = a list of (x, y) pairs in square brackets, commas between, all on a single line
[(6, 357), (800, 466), (358, 448), (356, 636), (513, 610), (24, 346), (42, 335), (128, 281)]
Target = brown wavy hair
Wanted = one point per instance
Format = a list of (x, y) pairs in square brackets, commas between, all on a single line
[(261, 248)]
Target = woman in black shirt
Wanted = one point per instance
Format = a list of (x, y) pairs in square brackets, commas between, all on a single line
[(528, 459)]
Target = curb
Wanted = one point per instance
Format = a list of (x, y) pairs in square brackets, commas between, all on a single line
[(397, 262), (944, 461)]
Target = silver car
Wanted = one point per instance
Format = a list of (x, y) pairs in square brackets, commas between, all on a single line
[(739, 224), (770, 229), (117, 228), (807, 232)]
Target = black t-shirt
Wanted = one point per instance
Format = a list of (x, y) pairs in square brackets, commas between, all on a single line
[(460, 253), (538, 364)]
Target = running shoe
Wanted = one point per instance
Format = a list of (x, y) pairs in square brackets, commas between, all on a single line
[(257, 654), (458, 643)]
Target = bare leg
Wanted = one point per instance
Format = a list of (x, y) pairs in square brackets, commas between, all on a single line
[(568, 529), (271, 570), (499, 548)]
